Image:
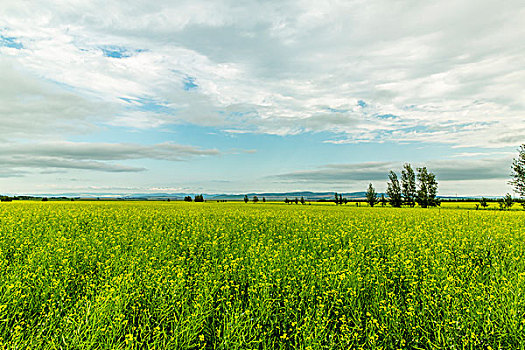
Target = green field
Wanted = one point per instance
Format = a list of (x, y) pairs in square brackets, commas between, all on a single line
[(108, 275)]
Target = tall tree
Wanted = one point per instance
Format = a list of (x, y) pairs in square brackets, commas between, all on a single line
[(371, 195), (427, 192), (393, 191), (408, 183), (246, 198), (338, 199), (518, 172)]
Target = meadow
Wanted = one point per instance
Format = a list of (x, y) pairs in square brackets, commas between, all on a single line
[(156, 275)]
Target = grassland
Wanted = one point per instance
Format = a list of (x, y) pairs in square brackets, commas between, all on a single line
[(81, 275)]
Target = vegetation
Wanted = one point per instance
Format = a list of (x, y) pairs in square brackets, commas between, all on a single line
[(393, 191), (427, 191), (153, 275), (518, 174), (508, 201), (501, 203), (339, 199), (483, 202), (408, 184), (371, 195), (383, 200), (229, 276)]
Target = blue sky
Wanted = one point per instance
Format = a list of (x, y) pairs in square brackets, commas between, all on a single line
[(220, 96)]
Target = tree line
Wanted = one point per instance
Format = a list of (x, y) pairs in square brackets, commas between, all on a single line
[(410, 192), (421, 188), (517, 181)]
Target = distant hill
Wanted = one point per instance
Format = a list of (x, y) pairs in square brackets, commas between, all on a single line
[(270, 196)]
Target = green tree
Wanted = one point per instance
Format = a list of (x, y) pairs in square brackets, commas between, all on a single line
[(371, 195), (246, 198), (501, 203), (483, 202), (393, 190), (264, 199), (508, 201), (302, 200), (408, 184), (518, 173), (255, 199), (427, 191)]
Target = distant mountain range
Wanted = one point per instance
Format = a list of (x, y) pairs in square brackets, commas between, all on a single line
[(270, 196)]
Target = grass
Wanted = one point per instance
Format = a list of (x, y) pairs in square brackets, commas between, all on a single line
[(129, 275)]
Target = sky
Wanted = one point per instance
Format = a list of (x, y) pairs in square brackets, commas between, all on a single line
[(142, 96)]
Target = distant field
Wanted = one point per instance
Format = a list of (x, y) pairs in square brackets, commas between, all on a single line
[(444, 205), (265, 276)]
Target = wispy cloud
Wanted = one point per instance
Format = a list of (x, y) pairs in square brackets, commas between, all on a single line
[(445, 170), (447, 74), (91, 156)]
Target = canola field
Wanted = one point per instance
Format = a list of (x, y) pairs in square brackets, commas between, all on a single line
[(171, 275)]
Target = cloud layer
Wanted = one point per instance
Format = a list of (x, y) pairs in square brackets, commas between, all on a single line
[(445, 170), (487, 176), (448, 72), (18, 158)]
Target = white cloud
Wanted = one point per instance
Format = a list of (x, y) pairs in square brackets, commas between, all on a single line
[(451, 71), (365, 71)]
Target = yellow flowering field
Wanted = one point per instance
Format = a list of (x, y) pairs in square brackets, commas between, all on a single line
[(156, 275)]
